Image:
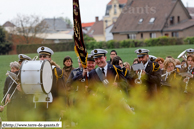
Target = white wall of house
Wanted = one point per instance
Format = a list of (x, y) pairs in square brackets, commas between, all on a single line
[(109, 35)]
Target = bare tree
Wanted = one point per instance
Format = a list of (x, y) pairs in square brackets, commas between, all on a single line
[(28, 28)]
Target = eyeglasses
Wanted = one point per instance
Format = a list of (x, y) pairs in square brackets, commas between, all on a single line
[(44, 56)]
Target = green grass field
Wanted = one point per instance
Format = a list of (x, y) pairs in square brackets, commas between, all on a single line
[(127, 54)]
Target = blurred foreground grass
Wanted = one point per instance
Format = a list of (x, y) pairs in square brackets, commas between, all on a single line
[(165, 110)]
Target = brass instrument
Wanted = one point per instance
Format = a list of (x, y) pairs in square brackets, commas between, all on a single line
[(138, 80), (168, 72), (138, 67), (183, 55), (187, 77), (15, 79)]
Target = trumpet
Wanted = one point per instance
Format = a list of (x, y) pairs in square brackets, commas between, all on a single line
[(138, 80)]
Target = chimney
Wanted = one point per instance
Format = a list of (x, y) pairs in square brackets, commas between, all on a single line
[(97, 19)]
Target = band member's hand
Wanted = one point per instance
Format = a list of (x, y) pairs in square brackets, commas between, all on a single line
[(143, 72), (185, 80), (18, 87), (191, 76), (1, 108), (84, 72), (115, 84), (7, 100)]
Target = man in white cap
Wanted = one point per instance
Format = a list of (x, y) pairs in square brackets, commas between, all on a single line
[(106, 73), (45, 53), (152, 80), (23, 57)]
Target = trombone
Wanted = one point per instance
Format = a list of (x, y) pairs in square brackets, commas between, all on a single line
[(15, 79)]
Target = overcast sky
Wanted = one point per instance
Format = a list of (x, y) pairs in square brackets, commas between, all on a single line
[(56, 8)]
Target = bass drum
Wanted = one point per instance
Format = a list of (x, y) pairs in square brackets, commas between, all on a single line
[(36, 77)]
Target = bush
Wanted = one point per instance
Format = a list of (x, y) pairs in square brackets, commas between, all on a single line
[(189, 40)]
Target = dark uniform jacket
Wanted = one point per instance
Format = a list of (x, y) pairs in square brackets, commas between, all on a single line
[(153, 78), (70, 79), (112, 71), (58, 83)]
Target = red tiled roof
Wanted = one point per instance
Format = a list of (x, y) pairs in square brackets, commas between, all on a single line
[(87, 24), (120, 2)]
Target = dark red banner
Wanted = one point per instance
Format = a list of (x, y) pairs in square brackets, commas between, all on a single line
[(80, 49)]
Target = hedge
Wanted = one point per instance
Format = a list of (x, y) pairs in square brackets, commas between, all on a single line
[(109, 44), (32, 48), (189, 40)]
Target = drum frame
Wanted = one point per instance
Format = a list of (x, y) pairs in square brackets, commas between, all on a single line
[(41, 70)]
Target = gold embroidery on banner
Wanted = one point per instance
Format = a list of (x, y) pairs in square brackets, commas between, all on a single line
[(79, 47), (76, 29), (75, 9)]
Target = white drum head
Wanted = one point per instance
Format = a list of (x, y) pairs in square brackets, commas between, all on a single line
[(46, 77)]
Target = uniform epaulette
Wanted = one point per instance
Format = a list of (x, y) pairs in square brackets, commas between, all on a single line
[(156, 67), (56, 74), (125, 73), (177, 69), (116, 70)]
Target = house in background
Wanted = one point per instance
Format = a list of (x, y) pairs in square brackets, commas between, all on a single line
[(8, 26), (113, 10), (144, 19), (109, 35), (191, 11), (97, 30), (87, 26), (55, 25)]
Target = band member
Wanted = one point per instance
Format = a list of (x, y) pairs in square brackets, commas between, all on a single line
[(73, 74), (23, 57), (152, 71), (106, 74), (189, 80), (57, 90), (45, 53), (160, 61), (190, 51), (152, 58), (113, 53), (118, 61), (80, 77), (170, 74), (67, 62), (127, 66), (14, 112)]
